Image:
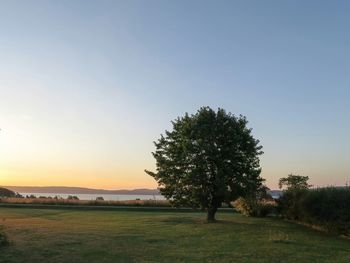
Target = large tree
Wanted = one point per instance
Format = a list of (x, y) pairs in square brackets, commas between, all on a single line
[(208, 158)]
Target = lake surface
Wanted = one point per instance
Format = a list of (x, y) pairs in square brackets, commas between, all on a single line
[(109, 197)]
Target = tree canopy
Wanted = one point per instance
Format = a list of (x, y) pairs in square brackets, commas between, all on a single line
[(208, 158), (4, 192), (294, 182)]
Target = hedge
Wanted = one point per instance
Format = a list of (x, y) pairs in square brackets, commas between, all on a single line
[(328, 208)]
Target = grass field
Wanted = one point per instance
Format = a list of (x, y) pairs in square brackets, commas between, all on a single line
[(44, 235)]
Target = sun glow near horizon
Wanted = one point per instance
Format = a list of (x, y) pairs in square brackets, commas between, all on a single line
[(88, 179), (37, 155)]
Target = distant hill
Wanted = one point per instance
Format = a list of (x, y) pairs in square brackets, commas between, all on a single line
[(79, 190)]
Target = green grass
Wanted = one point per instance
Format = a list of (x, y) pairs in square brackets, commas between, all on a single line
[(3, 238), (44, 235)]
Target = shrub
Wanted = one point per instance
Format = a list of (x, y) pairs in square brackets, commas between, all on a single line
[(290, 203), (243, 206), (253, 207), (328, 207)]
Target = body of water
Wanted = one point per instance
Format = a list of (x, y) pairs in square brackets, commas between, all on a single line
[(109, 197)]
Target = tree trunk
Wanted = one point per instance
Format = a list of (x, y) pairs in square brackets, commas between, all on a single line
[(211, 215)]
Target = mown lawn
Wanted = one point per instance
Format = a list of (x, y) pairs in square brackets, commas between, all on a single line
[(45, 235)]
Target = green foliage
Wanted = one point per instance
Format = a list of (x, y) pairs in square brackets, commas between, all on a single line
[(293, 182), (4, 192), (208, 158), (329, 208), (254, 207), (290, 203), (296, 189)]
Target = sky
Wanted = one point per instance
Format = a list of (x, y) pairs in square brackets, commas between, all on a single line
[(87, 86)]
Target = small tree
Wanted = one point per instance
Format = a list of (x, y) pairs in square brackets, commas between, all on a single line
[(294, 182), (290, 201), (208, 158)]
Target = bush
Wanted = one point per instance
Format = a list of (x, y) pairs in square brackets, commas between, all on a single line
[(328, 207), (253, 207), (290, 203)]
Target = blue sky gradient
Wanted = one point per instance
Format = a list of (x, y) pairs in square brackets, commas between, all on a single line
[(86, 86)]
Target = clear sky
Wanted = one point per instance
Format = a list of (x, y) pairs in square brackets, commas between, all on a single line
[(86, 86)]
